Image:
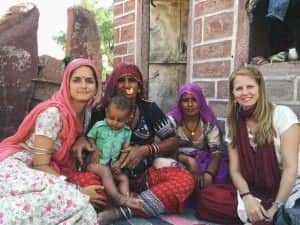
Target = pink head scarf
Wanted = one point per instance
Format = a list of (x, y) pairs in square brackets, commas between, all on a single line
[(62, 161)]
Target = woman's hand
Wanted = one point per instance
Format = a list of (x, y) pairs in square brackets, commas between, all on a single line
[(95, 194), (82, 144), (116, 168), (134, 155), (255, 210), (270, 213)]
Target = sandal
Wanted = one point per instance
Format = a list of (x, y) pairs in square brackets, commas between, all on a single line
[(279, 57), (258, 60)]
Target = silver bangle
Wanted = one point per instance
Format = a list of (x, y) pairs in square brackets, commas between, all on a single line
[(277, 204)]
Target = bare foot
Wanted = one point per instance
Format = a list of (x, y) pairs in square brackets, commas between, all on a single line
[(133, 202), (129, 201)]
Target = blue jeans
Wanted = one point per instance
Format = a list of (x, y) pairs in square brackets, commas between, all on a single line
[(278, 8)]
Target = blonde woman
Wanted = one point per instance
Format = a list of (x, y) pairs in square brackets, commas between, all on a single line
[(263, 141)]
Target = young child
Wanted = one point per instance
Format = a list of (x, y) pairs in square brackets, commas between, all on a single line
[(110, 136)]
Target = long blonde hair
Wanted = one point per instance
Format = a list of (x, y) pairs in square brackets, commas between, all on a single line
[(263, 112)]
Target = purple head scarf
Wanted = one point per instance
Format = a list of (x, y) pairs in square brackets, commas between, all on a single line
[(205, 112)]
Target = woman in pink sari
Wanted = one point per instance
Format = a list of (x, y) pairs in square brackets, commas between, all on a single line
[(36, 164)]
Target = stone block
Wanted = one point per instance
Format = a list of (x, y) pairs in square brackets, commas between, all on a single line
[(129, 5), (18, 64), (218, 107), (127, 33), (280, 90), (124, 20), (206, 7), (82, 36), (118, 9), (117, 35), (280, 69), (128, 59), (130, 47), (51, 68), (243, 33), (197, 31), (298, 90), (208, 88), (218, 26), (120, 49), (43, 89), (223, 89), (211, 69), (214, 50), (117, 60)]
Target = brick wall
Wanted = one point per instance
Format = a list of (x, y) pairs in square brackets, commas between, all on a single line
[(125, 14), (218, 44), (214, 52)]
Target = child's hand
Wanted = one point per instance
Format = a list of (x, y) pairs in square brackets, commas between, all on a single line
[(116, 168)]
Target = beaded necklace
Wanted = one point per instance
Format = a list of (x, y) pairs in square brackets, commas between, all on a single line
[(192, 131)]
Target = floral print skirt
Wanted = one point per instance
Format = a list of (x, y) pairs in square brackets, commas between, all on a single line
[(29, 196)]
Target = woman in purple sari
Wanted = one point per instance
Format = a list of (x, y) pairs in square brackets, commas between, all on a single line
[(200, 147)]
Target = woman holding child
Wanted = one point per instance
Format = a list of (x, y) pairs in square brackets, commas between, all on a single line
[(36, 163), (200, 145), (162, 190), (263, 141)]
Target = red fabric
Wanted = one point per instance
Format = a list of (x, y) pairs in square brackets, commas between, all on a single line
[(218, 203), (172, 185), (62, 161), (259, 168), (84, 179)]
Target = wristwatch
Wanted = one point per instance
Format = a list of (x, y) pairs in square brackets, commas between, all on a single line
[(277, 204)]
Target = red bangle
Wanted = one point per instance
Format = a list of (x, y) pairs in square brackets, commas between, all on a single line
[(244, 194)]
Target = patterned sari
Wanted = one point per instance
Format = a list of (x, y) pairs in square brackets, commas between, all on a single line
[(163, 190)]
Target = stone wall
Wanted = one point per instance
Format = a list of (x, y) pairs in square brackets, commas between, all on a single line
[(18, 64)]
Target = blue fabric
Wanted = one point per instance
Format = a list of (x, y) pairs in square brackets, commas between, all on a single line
[(278, 8)]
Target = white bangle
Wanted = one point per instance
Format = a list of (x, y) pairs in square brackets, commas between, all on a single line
[(277, 204)]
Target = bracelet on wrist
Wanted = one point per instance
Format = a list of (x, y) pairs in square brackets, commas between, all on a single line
[(209, 173), (277, 204), (245, 194)]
